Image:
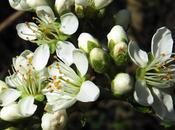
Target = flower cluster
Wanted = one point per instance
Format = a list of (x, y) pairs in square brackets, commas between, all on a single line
[(155, 75), (39, 81)]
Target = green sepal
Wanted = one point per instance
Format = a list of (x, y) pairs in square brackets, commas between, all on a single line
[(39, 97)]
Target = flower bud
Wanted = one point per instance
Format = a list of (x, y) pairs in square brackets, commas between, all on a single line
[(99, 60), (119, 53), (117, 34), (79, 10), (63, 5), (123, 18), (121, 84), (87, 42), (54, 121)]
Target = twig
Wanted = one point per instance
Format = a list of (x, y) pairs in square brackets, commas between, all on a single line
[(9, 20)]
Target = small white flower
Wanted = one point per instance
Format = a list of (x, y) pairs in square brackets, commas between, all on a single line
[(26, 83), (155, 74), (121, 84), (26, 5), (49, 30), (66, 86), (54, 121)]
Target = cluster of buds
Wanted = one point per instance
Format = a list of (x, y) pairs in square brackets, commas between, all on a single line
[(117, 44), (99, 59)]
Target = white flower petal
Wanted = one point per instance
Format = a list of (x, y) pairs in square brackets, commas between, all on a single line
[(10, 113), (27, 31), (19, 5), (82, 2), (60, 69), (45, 13), (138, 56), (27, 106), (54, 70), (163, 105), (15, 80), (142, 94), (56, 101), (69, 23), (64, 52), (8, 96), (162, 44), (62, 6), (22, 63), (89, 92), (41, 57), (81, 61), (36, 3)]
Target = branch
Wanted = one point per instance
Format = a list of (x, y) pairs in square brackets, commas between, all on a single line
[(8, 21)]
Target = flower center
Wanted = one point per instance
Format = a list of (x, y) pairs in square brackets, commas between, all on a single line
[(29, 81), (65, 81), (48, 31), (158, 73)]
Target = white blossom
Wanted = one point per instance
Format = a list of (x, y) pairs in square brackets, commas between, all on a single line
[(26, 84), (155, 75), (66, 86), (48, 30)]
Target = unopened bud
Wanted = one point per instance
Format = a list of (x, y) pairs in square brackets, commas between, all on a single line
[(99, 60), (87, 42), (119, 53), (121, 84), (54, 121), (117, 34), (79, 10), (123, 18)]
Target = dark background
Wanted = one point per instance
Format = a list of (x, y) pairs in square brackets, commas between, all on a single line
[(147, 16)]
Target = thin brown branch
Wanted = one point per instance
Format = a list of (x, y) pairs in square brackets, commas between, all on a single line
[(9, 20)]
